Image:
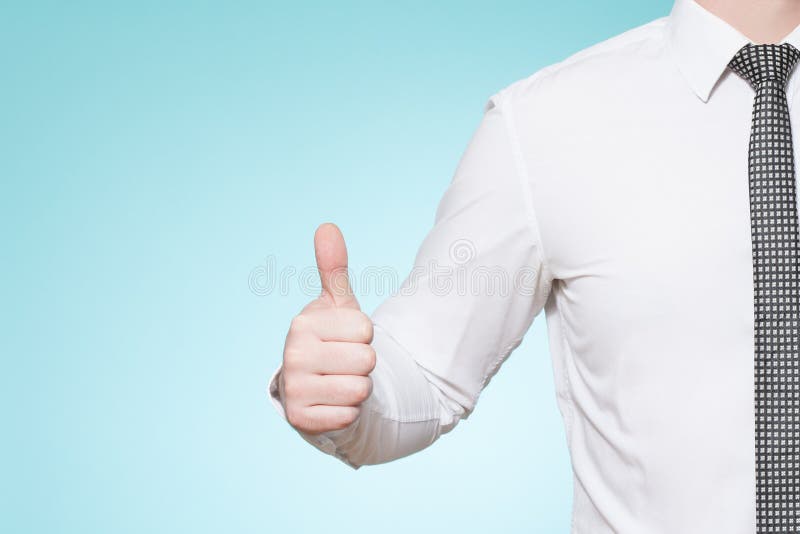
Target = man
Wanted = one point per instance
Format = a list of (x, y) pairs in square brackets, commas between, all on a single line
[(640, 192)]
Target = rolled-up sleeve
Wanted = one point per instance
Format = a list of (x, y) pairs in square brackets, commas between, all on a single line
[(479, 278)]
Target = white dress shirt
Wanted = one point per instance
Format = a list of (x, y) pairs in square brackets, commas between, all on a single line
[(611, 190)]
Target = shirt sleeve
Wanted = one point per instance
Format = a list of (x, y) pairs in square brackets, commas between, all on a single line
[(479, 279)]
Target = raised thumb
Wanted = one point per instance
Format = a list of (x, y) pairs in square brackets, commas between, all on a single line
[(331, 254)]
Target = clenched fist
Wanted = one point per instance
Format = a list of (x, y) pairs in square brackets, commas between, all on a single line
[(327, 357)]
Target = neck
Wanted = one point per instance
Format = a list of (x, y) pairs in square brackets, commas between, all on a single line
[(761, 21)]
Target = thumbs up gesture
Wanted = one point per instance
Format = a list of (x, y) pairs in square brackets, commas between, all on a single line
[(327, 357)]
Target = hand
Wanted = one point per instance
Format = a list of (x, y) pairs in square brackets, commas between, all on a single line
[(327, 357)]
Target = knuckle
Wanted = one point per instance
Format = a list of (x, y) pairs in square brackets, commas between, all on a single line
[(299, 324), (292, 358), (292, 388), (362, 389), (296, 418), (365, 327), (370, 358)]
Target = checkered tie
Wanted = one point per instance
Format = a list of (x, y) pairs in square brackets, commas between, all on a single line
[(774, 233)]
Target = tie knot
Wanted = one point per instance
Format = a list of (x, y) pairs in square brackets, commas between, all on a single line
[(758, 63)]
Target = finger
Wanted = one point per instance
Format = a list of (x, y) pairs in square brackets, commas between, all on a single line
[(318, 419), (331, 255), (340, 358), (337, 390), (336, 324)]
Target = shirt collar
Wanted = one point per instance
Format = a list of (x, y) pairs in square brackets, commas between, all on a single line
[(703, 44)]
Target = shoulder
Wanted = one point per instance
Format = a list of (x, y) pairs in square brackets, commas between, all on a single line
[(620, 55)]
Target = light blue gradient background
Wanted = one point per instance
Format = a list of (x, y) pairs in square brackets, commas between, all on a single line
[(153, 154)]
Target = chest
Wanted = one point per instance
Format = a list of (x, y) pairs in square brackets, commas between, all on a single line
[(644, 218)]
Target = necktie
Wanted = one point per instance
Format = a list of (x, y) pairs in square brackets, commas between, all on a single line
[(774, 235)]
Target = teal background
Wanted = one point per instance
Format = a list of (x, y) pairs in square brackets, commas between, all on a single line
[(153, 155)]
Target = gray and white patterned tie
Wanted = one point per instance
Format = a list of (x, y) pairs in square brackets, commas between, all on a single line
[(774, 234)]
